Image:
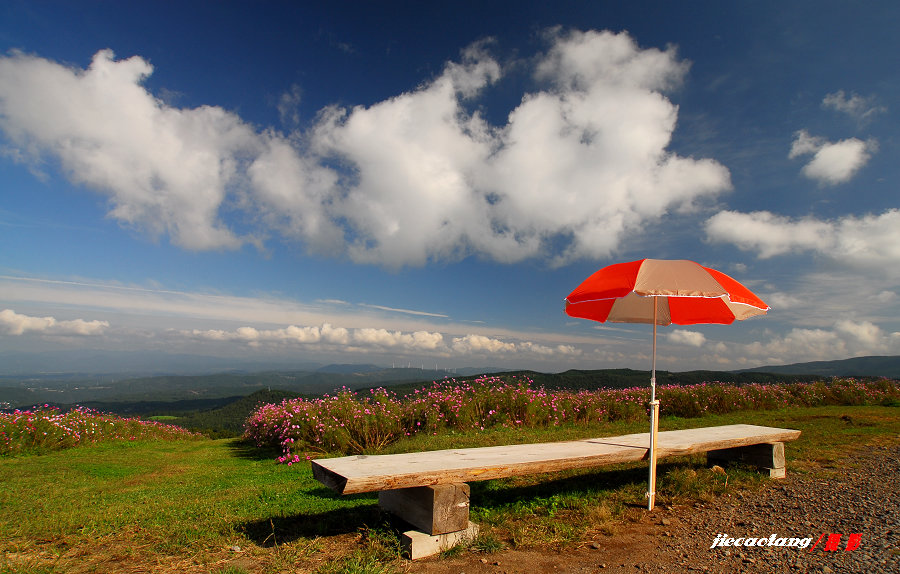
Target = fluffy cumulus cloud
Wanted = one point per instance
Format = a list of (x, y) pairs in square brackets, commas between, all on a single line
[(578, 164), (832, 162), (164, 170), (586, 159), (871, 240), (417, 341), (13, 323), (477, 344)]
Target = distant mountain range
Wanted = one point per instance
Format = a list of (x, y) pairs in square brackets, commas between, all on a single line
[(87, 389), (68, 364), (854, 367), (85, 364), (101, 386)]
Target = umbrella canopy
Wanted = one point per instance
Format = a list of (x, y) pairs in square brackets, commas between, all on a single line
[(662, 292), (687, 293)]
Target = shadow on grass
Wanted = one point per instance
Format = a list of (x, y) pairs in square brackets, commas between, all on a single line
[(284, 529), (499, 494), (245, 449), (496, 493), (487, 495)]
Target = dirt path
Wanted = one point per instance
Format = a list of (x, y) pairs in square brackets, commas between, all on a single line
[(861, 496)]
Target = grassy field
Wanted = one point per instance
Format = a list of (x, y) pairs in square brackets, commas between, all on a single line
[(223, 507)]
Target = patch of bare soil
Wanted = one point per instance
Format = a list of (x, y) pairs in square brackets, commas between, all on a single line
[(635, 549)]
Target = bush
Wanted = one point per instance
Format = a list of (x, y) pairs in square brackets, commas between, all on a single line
[(356, 423), (48, 428)]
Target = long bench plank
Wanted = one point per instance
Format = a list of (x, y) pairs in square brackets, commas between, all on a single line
[(355, 474)]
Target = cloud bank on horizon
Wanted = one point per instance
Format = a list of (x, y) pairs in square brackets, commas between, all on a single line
[(18, 324), (842, 338), (581, 164)]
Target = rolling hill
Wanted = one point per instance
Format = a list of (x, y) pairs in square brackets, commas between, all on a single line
[(875, 366)]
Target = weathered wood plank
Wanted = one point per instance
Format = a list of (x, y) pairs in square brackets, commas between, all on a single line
[(353, 474)]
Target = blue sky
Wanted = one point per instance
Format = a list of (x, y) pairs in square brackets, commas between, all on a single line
[(409, 182)]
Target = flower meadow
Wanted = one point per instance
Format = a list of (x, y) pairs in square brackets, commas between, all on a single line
[(355, 422), (48, 428)]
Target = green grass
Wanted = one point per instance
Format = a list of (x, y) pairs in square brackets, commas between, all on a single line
[(167, 499), (185, 505)]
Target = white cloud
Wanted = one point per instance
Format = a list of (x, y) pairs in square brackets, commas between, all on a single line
[(473, 344), (546, 350), (782, 301), (163, 169), (291, 193), (581, 163), (190, 311), (538, 349), (587, 158), (865, 332), (481, 344), (838, 162), (870, 240), (832, 163), (413, 157), (325, 333), (326, 336), (860, 108), (417, 341), (845, 338), (804, 144), (569, 350), (16, 324), (684, 337), (289, 106)]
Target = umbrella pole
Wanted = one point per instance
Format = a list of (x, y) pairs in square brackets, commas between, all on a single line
[(654, 418)]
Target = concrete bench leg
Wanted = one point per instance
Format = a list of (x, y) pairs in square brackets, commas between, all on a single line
[(767, 457), (441, 512), (419, 545)]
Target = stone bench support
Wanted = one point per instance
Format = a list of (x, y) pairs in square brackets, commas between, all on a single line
[(437, 509), (439, 512), (766, 457), (419, 545)]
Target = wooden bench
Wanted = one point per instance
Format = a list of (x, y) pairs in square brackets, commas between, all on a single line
[(429, 490)]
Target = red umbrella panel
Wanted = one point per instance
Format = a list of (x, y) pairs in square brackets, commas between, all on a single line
[(688, 294), (662, 292)]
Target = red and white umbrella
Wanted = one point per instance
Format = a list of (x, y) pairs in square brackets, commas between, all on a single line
[(662, 292)]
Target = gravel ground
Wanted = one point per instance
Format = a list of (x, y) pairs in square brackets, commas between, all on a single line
[(860, 497)]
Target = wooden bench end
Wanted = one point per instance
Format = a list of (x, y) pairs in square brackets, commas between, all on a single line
[(331, 479)]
